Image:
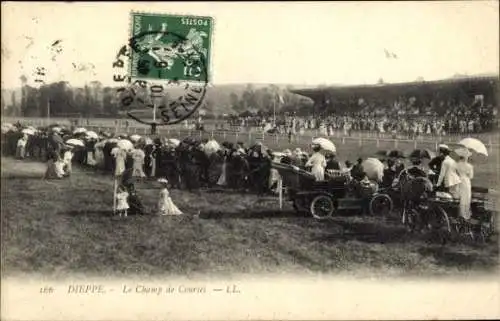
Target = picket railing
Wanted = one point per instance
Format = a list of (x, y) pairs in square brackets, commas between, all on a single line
[(283, 140), (250, 134)]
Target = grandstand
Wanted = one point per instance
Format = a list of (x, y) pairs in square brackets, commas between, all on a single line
[(483, 90)]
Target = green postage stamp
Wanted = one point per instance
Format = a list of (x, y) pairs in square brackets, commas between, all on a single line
[(170, 47)]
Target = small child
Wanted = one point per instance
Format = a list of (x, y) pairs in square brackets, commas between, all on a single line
[(122, 203), (165, 204)]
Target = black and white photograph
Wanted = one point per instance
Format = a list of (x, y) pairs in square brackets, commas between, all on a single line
[(158, 159)]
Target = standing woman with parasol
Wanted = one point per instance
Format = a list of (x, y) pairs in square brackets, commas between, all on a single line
[(466, 173), (317, 162)]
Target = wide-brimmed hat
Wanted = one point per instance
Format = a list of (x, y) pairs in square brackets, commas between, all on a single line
[(463, 152), (443, 146), (163, 180)]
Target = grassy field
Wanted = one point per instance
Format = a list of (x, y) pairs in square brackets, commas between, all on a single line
[(64, 227)]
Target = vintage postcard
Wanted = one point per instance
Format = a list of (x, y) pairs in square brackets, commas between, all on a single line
[(250, 161)]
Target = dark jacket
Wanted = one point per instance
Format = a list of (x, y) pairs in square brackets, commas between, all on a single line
[(435, 164), (332, 164)]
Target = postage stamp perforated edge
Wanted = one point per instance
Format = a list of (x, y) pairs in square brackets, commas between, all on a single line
[(208, 66)]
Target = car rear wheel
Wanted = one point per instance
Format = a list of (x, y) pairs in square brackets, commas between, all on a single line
[(322, 207)]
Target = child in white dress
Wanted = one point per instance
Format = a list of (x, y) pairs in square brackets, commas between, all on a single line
[(121, 201), (165, 204)]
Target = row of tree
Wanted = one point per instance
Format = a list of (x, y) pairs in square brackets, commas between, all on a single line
[(95, 100)]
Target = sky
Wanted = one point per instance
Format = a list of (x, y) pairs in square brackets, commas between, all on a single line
[(302, 43)]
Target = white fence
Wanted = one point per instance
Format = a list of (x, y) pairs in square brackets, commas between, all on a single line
[(251, 134)]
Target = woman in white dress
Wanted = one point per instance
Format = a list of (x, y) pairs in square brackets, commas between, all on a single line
[(466, 172), (317, 162), (138, 156), (222, 181), (120, 155), (165, 204)]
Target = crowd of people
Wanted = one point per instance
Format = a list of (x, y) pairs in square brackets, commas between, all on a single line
[(433, 120), (192, 163)]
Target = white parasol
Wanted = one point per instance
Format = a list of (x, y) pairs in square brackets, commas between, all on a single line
[(56, 129), (325, 144), (474, 144), (211, 147), (91, 134), (79, 130), (173, 141), (135, 137), (75, 142), (6, 127), (112, 140), (125, 144), (28, 131), (373, 168), (147, 141)]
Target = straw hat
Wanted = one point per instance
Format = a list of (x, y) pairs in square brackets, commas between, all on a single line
[(443, 146)]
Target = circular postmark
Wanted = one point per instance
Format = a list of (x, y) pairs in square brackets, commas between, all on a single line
[(166, 78)]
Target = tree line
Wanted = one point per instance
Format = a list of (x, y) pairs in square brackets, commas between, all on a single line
[(95, 100)]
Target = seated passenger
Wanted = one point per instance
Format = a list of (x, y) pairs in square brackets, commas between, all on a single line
[(389, 174), (357, 171), (416, 170)]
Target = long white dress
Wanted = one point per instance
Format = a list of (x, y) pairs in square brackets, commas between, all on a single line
[(165, 204), (466, 172), (318, 164), (222, 178), (138, 156)]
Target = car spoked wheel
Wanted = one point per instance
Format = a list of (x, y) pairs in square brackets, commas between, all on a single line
[(322, 207), (381, 205)]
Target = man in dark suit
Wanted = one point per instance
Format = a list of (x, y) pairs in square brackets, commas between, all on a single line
[(332, 163), (357, 171), (436, 162)]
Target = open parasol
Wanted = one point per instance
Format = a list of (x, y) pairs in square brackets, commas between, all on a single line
[(147, 141), (173, 141), (325, 144), (475, 145), (6, 127), (125, 144), (211, 147), (28, 131), (373, 168), (91, 134), (75, 142), (80, 130), (135, 137)]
